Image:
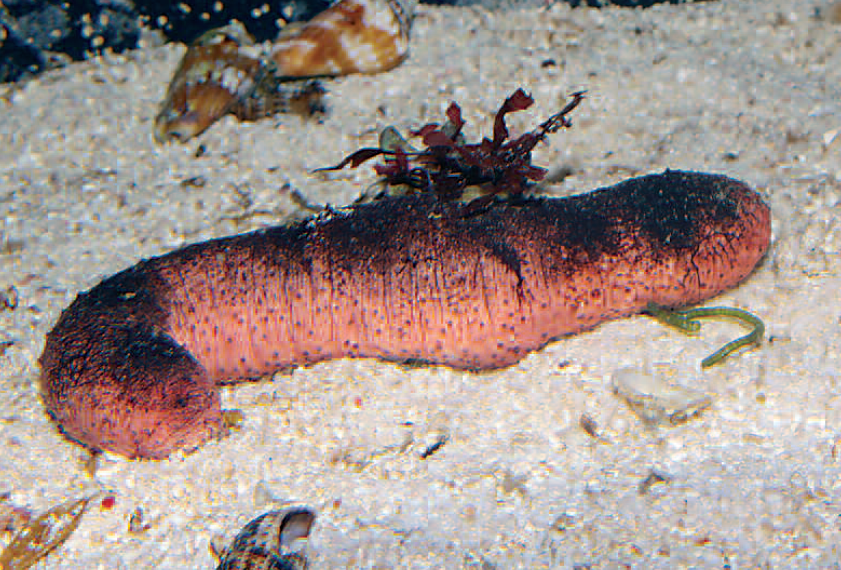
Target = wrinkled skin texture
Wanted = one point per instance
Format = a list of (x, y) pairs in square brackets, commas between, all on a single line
[(133, 365)]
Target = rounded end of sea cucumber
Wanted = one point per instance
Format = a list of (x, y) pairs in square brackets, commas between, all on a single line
[(146, 401)]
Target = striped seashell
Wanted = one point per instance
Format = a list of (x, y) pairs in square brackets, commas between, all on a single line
[(351, 36), (215, 75), (224, 72), (303, 97), (266, 543)]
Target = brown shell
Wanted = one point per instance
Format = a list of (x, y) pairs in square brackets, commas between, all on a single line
[(222, 72), (352, 36), (212, 78), (266, 543)]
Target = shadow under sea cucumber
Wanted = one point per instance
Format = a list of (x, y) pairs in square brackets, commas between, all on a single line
[(133, 365)]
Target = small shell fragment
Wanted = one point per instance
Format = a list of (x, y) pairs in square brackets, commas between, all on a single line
[(829, 137), (269, 542), (657, 400), (653, 478), (9, 298)]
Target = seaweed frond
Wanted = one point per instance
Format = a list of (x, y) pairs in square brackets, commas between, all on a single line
[(448, 165)]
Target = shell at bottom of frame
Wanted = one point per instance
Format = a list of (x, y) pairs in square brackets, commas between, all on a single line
[(272, 541)]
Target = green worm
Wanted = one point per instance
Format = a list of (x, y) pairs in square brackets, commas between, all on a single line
[(686, 322)]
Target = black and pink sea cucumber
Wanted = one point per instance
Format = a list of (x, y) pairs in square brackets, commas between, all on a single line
[(133, 365)]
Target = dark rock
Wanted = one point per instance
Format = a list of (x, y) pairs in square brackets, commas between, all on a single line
[(185, 20), (78, 28), (17, 57)]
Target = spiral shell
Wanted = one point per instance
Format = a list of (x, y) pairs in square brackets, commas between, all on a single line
[(223, 72), (352, 36), (216, 73), (266, 543)]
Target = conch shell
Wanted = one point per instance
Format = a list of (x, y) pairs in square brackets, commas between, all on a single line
[(214, 75), (224, 72), (352, 36), (268, 542)]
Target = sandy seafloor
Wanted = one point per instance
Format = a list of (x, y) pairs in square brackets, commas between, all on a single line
[(745, 88)]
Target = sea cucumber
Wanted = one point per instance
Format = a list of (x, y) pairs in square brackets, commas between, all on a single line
[(133, 365)]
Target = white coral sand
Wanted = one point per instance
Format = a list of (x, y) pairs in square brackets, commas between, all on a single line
[(749, 88)]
